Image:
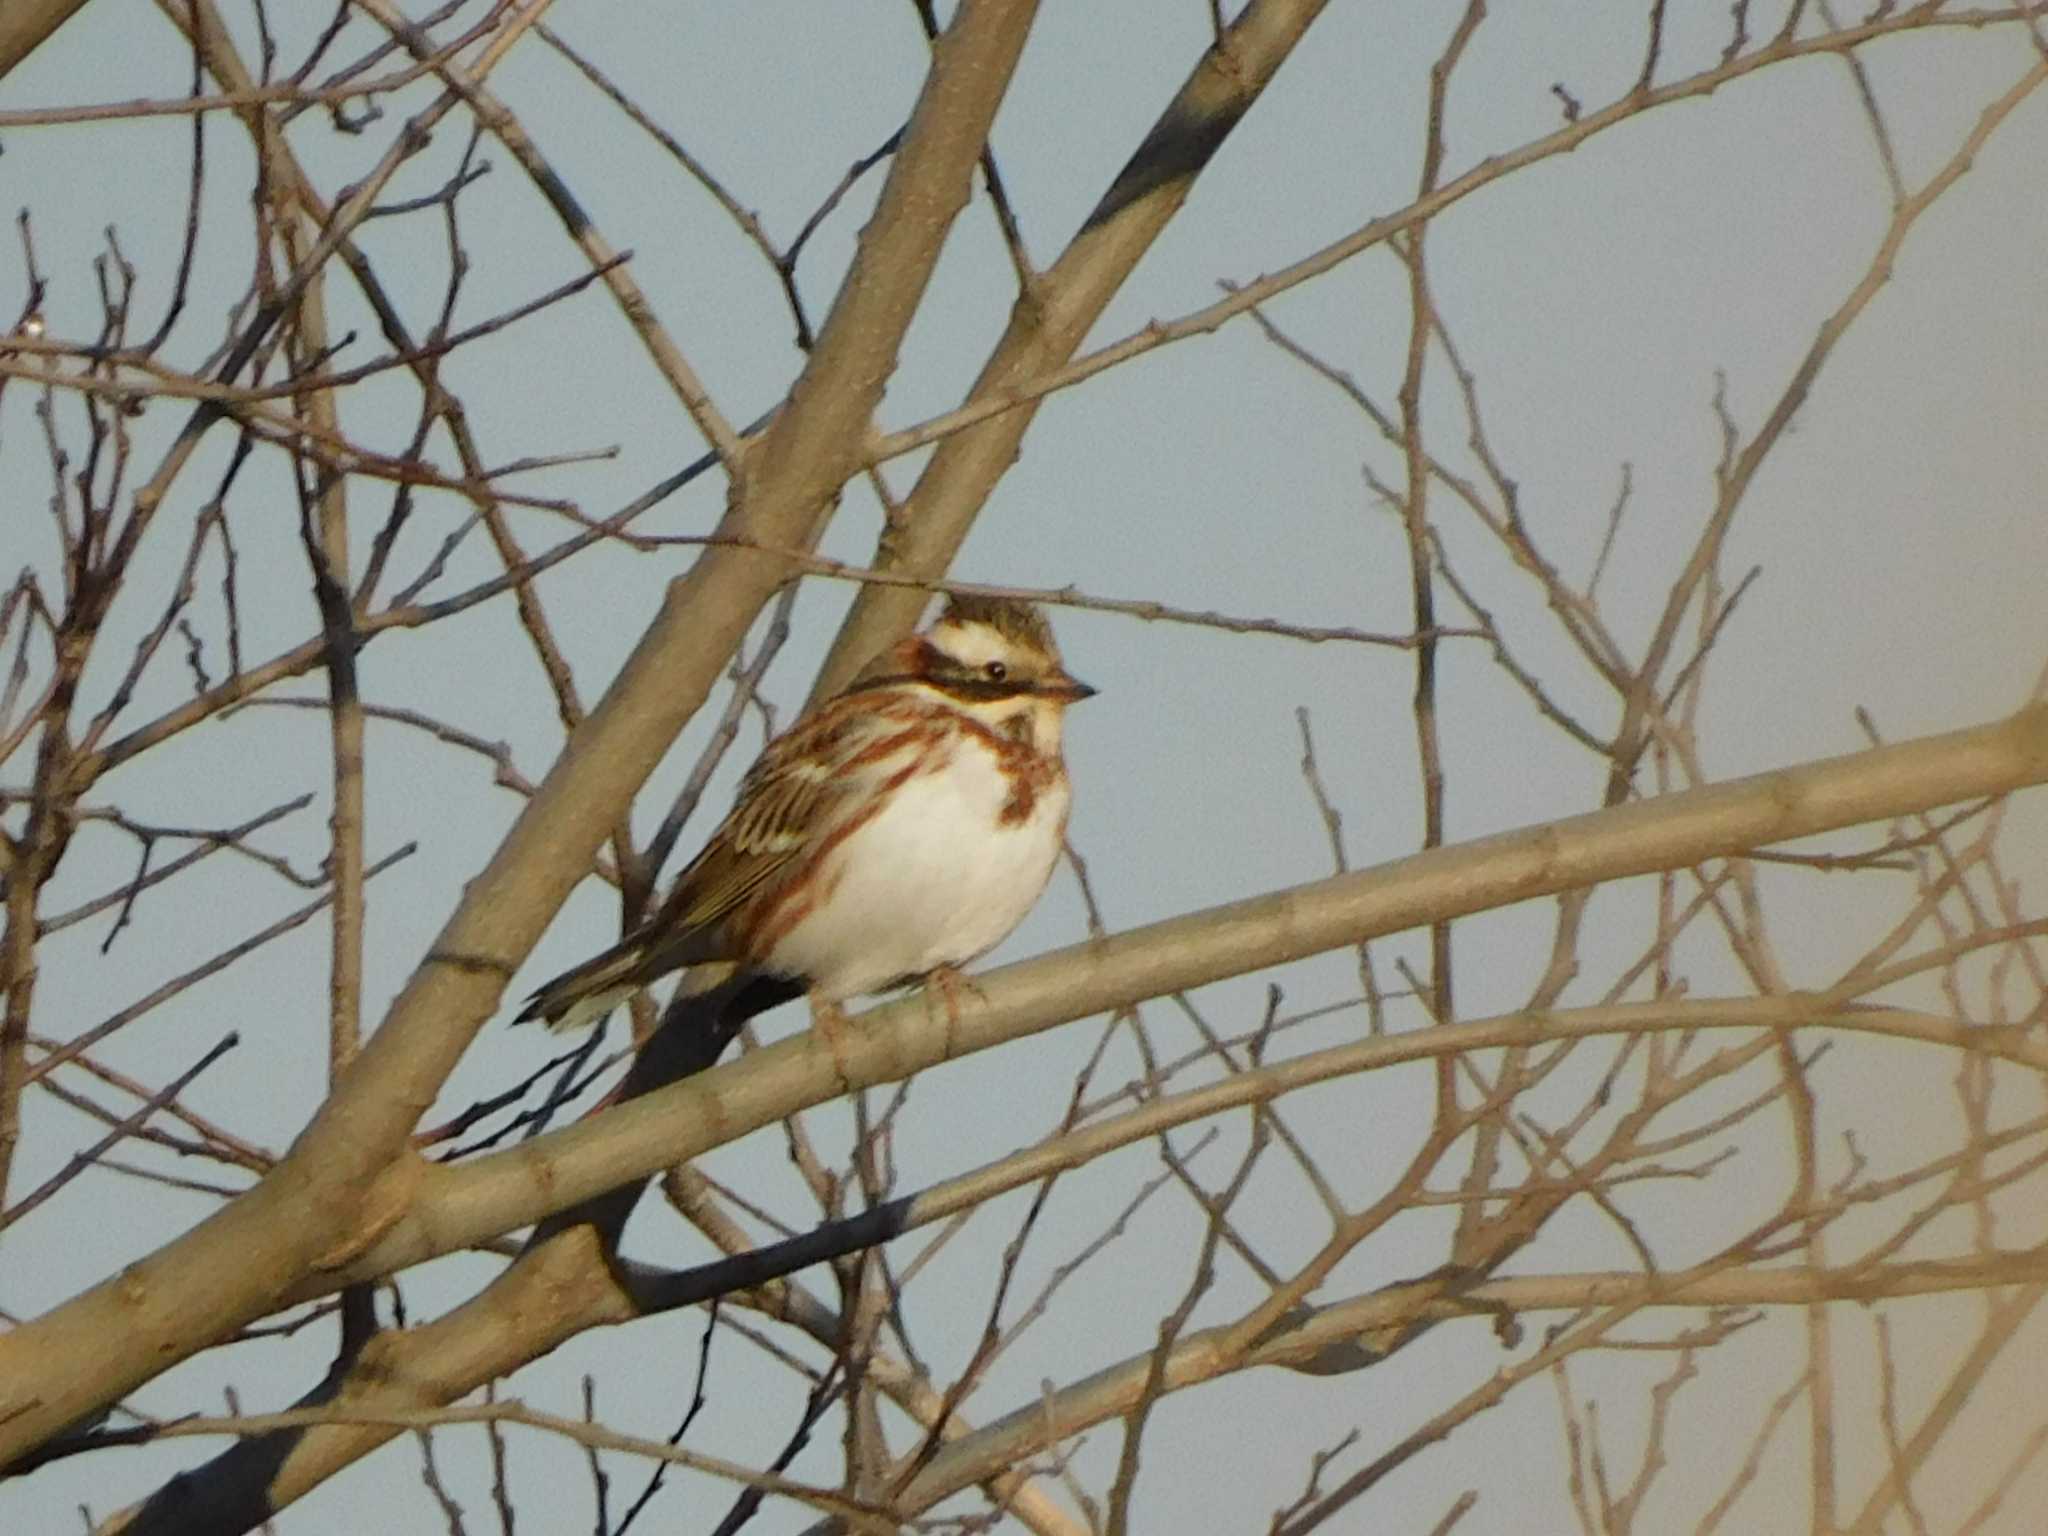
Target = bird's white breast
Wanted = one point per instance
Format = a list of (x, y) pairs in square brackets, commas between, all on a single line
[(934, 878)]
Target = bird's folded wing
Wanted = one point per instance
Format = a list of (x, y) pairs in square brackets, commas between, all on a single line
[(795, 789)]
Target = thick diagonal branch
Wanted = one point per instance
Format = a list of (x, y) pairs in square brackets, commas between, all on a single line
[(351, 1174)]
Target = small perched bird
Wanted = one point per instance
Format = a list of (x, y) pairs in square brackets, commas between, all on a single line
[(893, 833)]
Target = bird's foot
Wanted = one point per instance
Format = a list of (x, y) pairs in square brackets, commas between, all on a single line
[(946, 985), (835, 1030)]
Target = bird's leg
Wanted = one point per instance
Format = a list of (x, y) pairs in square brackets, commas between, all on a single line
[(836, 1031), (946, 984)]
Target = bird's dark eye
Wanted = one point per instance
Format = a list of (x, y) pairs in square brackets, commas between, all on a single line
[(996, 671)]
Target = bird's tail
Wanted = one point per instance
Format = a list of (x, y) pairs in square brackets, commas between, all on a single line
[(587, 992)]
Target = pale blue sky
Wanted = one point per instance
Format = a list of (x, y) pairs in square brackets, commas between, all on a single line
[(1595, 296)]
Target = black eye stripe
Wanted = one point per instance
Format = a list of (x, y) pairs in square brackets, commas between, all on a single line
[(980, 689), (970, 687)]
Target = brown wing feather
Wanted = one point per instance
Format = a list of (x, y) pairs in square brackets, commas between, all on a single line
[(784, 795), (792, 790)]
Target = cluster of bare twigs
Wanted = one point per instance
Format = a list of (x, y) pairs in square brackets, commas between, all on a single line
[(1664, 1055)]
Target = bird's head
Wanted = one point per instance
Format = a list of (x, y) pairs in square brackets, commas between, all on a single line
[(995, 660)]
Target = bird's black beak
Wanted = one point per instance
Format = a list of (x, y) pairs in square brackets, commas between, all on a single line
[(1068, 689)]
